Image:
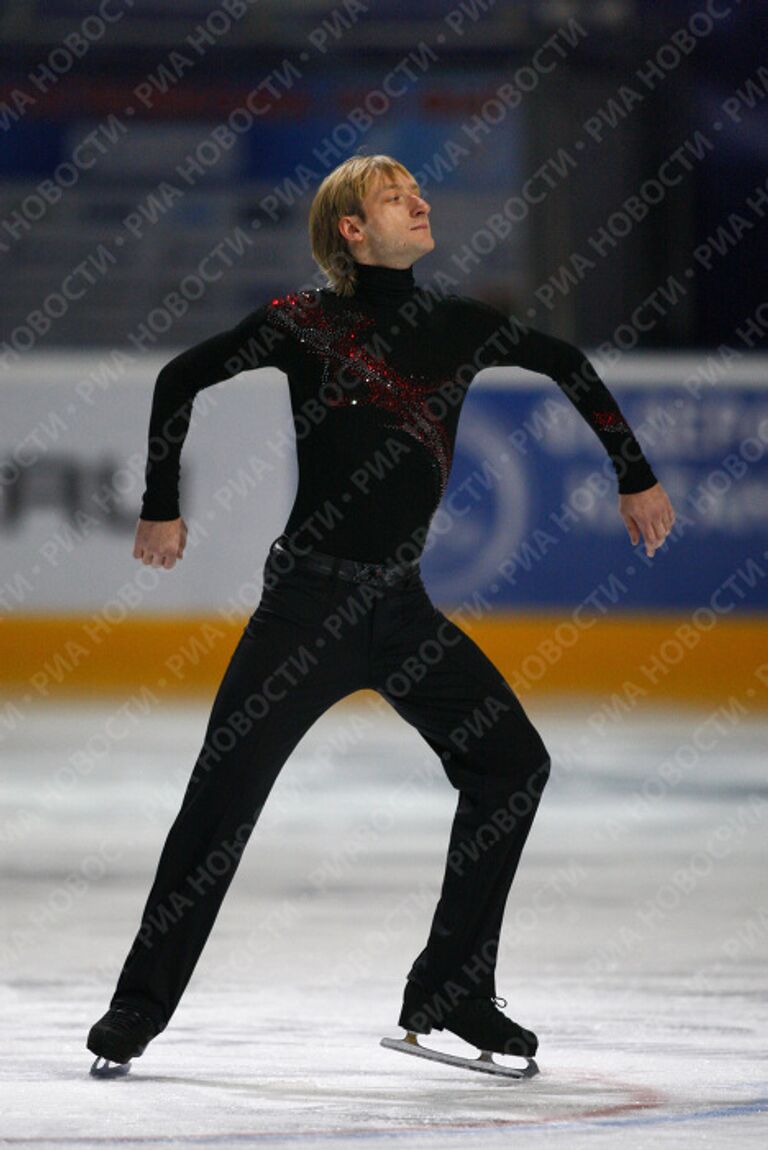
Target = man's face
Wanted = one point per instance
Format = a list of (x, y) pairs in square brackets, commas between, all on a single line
[(396, 231)]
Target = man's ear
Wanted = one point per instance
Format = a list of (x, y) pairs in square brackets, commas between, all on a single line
[(349, 228)]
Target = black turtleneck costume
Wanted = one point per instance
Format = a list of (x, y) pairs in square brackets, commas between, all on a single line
[(379, 378)]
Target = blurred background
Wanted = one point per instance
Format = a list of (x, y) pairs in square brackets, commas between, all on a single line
[(141, 87), (598, 169)]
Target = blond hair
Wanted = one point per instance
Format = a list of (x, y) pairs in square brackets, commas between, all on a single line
[(341, 194)]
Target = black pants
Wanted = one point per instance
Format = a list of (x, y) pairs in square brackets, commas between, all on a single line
[(313, 639)]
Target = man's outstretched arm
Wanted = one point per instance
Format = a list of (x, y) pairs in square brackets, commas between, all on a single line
[(161, 532), (644, 505)]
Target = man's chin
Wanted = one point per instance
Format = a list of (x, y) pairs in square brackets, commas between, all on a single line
[(426, 241)]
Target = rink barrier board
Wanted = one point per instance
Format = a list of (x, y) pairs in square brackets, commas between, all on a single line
[(627, 658), (529, 518)]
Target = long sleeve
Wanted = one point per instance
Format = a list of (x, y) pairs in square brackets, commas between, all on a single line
[(250, 344), (514, 344)]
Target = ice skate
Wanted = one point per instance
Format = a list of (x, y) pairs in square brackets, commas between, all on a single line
[(120, 1035), (478, 1021)]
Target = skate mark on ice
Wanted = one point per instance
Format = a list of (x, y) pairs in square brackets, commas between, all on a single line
[(755, 1106)]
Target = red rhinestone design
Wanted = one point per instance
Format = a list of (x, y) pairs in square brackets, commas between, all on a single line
[(610, 421), (335, 339)]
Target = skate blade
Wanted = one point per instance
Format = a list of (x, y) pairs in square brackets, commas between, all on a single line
[(484, 1062), (109, 1069)]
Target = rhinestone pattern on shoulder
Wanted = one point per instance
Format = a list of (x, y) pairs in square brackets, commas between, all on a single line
[(336, 339)]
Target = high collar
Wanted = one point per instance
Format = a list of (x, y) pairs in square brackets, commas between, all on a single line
[(379, 284)]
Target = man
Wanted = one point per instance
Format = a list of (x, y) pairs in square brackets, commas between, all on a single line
[(377, 370)]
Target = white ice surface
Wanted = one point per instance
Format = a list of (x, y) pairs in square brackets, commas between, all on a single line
[(634, 943)]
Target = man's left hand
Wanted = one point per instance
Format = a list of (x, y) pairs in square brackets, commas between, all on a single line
[(648, 513)]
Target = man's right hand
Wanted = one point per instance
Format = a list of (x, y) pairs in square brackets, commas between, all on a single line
[(159, 543)]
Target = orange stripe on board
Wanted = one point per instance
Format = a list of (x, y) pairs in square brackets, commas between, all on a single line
[(662, 656)]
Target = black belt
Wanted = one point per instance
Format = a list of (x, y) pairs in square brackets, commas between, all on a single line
[(354, 569)]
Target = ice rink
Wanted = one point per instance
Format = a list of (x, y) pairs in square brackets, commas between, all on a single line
[(634, 943)]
